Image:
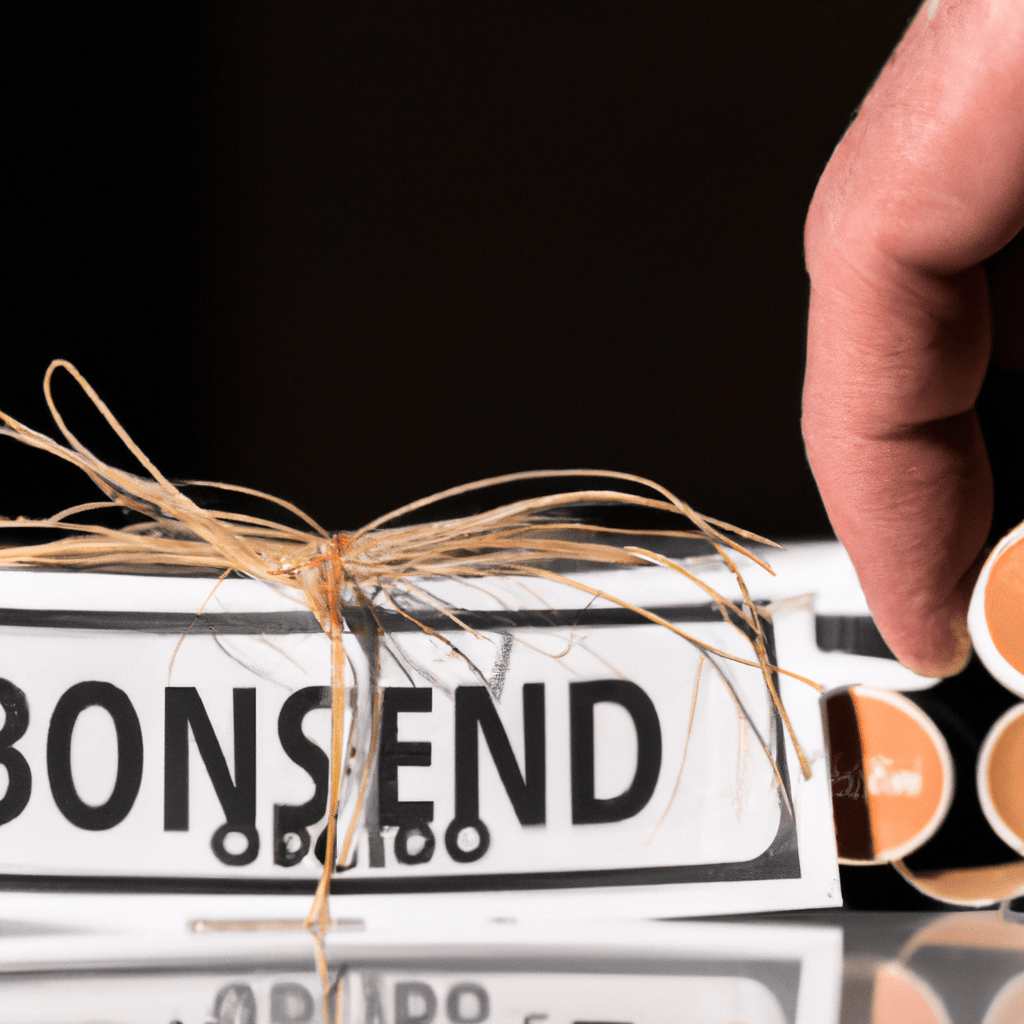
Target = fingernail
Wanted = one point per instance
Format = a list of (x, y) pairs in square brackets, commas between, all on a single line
[(952, 661)]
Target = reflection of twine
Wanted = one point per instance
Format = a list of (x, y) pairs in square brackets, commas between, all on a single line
[(349, 579), (854, 779)]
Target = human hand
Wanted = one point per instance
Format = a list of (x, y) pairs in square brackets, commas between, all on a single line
[(926, 185)]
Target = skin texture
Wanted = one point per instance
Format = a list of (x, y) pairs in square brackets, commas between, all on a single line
[(926, 185)]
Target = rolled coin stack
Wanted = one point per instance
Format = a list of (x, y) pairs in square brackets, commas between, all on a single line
[(902, 763), (996, 622)]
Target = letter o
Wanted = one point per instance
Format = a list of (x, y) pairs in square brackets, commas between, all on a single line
[(451, 840), (290, 1003), (454, 1003), (236, 860), (129, 755), (235, 1004), (405, 833)]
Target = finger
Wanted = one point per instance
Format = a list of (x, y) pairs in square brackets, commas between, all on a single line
[(927, 183)]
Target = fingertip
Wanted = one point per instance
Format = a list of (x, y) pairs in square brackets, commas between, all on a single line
[(945, 653)]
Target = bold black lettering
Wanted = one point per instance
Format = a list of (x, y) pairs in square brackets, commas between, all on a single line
[(401, 700), (415, 1002), (586, 808), (477, 839), (19, 775), (421, 830), (290, 1003), (129, 755), (292, 820), (478, 999), (183, 708), (320, 850), (526, 791)]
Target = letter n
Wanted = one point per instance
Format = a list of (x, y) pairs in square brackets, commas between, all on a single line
[(474, 708), (183, 708)]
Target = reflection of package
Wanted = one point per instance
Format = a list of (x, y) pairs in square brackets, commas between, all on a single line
[(712, 991), (955, 969), (704, 973)]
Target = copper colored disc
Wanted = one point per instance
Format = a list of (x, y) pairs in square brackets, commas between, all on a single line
[(892, 775), (1001, 777), (1004, 604)]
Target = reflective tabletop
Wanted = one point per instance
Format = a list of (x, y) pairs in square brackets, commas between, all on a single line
[(230, 961)]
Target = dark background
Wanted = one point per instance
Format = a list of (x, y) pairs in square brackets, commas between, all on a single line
[(355, 256)]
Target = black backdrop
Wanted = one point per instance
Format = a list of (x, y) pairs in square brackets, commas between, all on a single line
[(355, 257)]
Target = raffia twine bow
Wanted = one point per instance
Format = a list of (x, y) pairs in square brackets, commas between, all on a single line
[(379, 566)]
